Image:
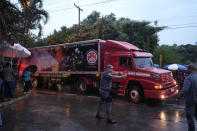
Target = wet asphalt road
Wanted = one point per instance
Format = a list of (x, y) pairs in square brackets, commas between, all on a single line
[(68, 112)]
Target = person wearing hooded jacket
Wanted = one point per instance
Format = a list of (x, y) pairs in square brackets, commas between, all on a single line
[(189, 91)]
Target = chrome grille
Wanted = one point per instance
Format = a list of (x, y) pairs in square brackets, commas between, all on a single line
[(166, 77)]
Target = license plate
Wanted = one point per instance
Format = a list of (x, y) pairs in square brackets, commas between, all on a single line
[(172, 89)]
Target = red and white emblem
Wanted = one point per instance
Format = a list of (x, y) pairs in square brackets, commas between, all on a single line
[(92, 57)]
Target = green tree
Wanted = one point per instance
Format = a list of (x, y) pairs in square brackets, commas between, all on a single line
[(169, 56), (16, 23), (92, 18), (140, 33), (33, 15), (188, 53), (105, 27), (10, 22)]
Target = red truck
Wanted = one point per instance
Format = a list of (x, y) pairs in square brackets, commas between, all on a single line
[(81, 64)]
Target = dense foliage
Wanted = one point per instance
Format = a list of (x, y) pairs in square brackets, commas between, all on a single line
[(183, 54), (16, 22), (16, 25), (10, 22), (140, 33)]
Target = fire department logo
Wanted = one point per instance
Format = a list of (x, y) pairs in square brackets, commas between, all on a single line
[(92, 57)]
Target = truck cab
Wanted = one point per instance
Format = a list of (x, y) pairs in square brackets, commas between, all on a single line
[(143, 80)]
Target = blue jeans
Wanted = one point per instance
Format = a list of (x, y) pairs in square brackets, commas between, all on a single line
[(9, 89)]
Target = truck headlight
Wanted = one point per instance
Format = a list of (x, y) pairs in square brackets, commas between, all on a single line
[(162, 96), (175, 83), (158, 87)]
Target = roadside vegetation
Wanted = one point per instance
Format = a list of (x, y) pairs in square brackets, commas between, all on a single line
[(18, 22)]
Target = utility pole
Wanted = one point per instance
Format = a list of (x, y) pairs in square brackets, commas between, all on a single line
[(79, 9)]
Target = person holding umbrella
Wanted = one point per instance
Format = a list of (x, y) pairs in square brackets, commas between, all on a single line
[(189, 91)]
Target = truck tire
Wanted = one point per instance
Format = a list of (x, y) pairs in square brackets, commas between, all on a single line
[(135, 94), (82, 86), (34, 82)]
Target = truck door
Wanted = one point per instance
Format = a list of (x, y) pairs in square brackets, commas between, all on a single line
[(125, 65)]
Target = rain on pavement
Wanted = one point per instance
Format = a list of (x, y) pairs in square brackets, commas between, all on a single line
[(73, 112)]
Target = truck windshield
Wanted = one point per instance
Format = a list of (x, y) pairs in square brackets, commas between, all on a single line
[(143, 62)]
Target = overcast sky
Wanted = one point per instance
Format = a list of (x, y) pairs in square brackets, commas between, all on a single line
[(180, 15)]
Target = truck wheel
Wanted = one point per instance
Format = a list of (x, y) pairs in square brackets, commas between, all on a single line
[(34, 82), (82, 86), (135, 94)]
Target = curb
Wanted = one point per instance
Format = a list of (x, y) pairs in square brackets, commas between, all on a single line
[(14, 100)]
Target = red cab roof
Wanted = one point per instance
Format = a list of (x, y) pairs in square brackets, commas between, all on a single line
[(121, 45), (128, 47)]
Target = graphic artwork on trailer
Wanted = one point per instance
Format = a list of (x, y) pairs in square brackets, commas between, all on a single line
[(65, 58)]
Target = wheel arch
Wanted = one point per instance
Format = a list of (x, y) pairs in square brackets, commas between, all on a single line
[(132, 85), (133, 82), (87, 80)]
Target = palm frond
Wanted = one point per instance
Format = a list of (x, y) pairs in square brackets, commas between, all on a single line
[(39, 2)]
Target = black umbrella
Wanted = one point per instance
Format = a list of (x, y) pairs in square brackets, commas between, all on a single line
[(33, 68)]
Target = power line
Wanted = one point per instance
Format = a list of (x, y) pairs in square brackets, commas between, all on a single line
[(62, 5), (108, 1), (184, 24), (177, 26), (52, 3), (181, 27), (85, 5), (173, 18), (69, 8), (96, 3)]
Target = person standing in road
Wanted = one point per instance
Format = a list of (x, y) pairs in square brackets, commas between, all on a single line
[(27, 79), (189, 91), (9, 80), (105, 89)]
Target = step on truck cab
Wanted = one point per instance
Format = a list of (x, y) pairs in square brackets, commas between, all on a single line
[(81, 63)]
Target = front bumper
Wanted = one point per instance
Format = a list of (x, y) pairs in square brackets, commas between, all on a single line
[(161, 94)]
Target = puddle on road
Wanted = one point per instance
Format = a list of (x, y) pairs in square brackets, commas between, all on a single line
[(67, 110), (163, 115), (175, 117)]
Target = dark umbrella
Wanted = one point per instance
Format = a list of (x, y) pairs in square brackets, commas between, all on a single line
[(33, 68)]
